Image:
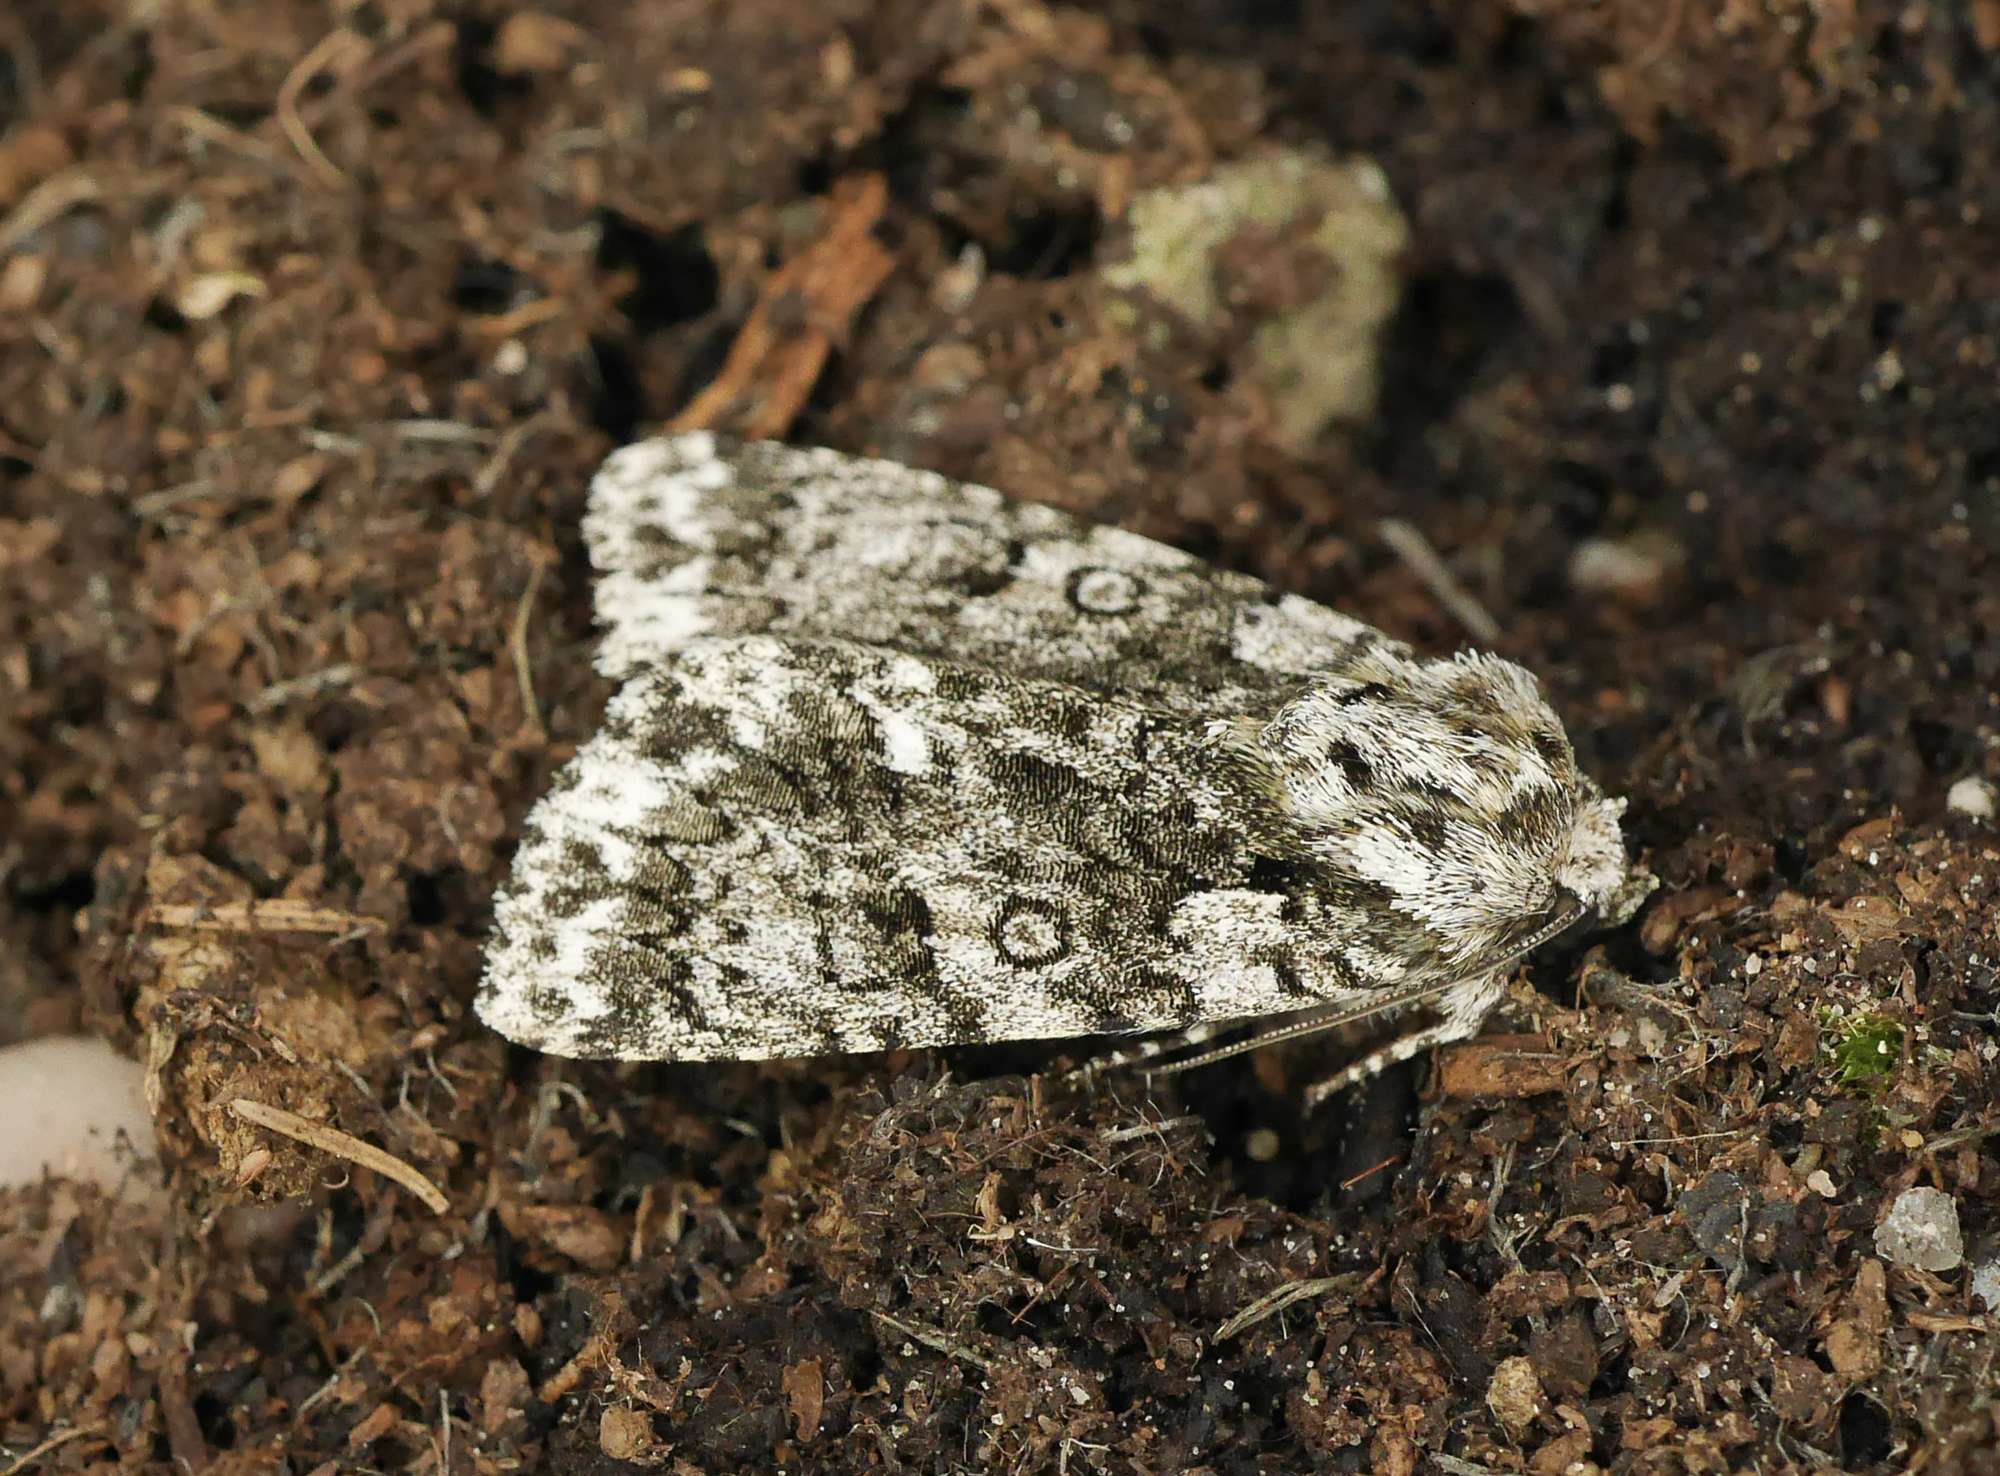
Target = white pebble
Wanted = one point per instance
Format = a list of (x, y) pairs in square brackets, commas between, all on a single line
[(1635, 566), (1921, 1230), (74, 1109), (1972, 796), (1986, 1284)]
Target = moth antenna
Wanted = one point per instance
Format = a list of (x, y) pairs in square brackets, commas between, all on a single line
[(1324, 1018)]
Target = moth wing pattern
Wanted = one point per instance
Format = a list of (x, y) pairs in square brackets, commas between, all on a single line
[(901, 762), (699, 535), (777, 846)]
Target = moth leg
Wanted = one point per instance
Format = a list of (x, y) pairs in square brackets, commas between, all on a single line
[(1463, 1010), (1303, 1025), (1151, 1048), (1381, 1059)]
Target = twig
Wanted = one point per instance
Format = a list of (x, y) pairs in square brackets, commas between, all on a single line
[(1970, 1134), (1274, 1302), (805, 304), (374, 1235), (503, 454), (333, 50), (311, 684), (1454, 1466), (437, 36), (274, 915), (444, 1414), (1415, 550), (931, 1338), (332, 1383), (432, 430), (21, 1461), (1368, 1173), (169, 498), (1149, 1129), (54, 197), (341, 1145), (214, 130), (524, 671), (1663, 39)]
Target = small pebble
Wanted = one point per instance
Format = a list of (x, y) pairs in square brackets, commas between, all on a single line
[(1972, 796), (1634, 568), (1921, 1230), (75, 1109), (1514, 1393), (1986, 1284)]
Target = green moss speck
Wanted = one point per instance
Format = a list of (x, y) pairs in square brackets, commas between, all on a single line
[(1867, 1049)]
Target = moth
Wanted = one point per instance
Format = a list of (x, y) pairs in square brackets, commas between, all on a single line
[(898, 761)]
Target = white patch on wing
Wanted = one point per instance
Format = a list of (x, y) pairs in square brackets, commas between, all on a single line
[(1294, 636), (905, 749)]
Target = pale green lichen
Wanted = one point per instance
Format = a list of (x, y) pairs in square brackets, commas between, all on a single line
[(1317, 362)]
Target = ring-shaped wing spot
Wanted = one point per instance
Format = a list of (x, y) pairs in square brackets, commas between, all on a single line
[(1096, 590), (1032, 932)]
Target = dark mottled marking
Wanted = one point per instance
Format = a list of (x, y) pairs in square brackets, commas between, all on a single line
[(977, 582), (582, 880), (640, 992), (1288, 978), (1474, 698), (1070, 718), (548, 1003), (673, 728), (1554, 749), (686, 820), (1436, 799), (903, 929), (1051, 792), (1359, 773), (956, 684), (1358, 693), (761, 786), (1270, 874), (1147, 994), (1542, 813), (1428, 829)]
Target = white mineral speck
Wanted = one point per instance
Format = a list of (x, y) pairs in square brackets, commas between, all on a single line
[(1986, 1283), (1972, 796), (1921, 1230)]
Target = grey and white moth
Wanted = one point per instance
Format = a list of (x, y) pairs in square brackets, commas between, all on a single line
[(899, 761)]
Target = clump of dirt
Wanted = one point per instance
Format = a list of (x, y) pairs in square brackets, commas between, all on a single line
[(312, 327)]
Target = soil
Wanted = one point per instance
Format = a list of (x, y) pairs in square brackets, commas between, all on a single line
[(314, 322)]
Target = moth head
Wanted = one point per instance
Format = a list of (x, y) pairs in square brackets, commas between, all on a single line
[(1448, 792)]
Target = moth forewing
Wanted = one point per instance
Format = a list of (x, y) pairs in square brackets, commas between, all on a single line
[(901, 761)]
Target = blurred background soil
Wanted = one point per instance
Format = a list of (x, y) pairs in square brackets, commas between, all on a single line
[(1669, 328)]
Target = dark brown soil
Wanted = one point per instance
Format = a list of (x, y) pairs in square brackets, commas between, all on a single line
[(315, 320)]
